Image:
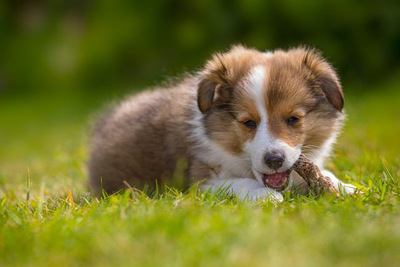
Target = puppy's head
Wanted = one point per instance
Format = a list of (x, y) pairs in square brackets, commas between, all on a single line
[(270, 107)]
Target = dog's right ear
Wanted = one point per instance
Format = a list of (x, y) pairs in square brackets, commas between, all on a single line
[(221, 74), (214, 88), (211, 93)]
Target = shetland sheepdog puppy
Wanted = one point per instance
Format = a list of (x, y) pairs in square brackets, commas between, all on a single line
[(240, 123)]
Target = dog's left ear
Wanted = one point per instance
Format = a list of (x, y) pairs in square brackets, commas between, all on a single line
[(323, 76)]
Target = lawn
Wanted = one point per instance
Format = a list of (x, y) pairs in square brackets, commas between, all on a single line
[(47, 218)]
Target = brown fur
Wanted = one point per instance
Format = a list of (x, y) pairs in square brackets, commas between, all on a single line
[(140, 140), (295, 89), (140, 146)]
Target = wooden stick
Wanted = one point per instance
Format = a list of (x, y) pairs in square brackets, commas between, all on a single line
[(317, 182)]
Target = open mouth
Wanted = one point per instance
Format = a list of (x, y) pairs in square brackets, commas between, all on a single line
[(277, 181)]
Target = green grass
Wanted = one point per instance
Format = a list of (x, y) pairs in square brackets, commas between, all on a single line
[(47, 218)]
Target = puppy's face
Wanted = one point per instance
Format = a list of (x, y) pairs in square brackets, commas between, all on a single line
[(270, 107)]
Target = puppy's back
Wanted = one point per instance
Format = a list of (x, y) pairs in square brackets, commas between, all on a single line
[(140, 140)]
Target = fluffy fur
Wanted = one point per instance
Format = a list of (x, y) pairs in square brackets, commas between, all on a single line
[(204, 119)]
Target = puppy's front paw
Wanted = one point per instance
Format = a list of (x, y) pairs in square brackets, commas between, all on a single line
[(344, 188), (347, 189), (264, 193)]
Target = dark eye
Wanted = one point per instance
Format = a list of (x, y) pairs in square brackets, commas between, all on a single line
[(292, 121), (250, 124)]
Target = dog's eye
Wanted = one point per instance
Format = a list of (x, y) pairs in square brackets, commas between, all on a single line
[(250, 124), (291, 121)]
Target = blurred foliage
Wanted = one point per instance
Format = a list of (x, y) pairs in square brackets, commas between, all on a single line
[(89, 46)]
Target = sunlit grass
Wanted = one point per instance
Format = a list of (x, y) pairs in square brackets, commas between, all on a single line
[(48, 218)]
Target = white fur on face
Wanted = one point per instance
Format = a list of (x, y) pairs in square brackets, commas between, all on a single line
[(263, 140)]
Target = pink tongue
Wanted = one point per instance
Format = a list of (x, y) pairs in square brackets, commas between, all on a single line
[(276, 180)]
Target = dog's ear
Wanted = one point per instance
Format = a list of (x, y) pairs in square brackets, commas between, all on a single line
[(214, 87), (332, 90), (211, 94), (221, 75), (323, 77)]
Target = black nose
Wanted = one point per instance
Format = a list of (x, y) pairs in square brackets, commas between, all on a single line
[(274, 159)]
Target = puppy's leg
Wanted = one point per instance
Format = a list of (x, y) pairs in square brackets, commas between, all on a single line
[(339, 185), (243, 188)]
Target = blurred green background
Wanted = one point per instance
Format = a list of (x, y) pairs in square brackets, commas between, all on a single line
[(100, 46), (60, 61)]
